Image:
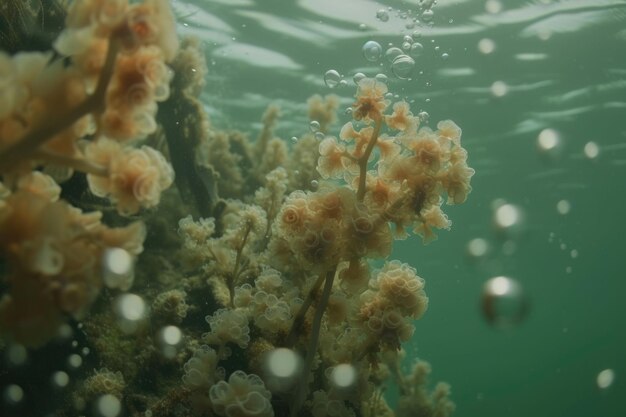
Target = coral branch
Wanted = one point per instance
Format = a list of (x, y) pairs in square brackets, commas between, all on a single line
[(364, 159)]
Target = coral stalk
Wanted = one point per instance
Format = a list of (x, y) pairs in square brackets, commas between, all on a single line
[(364, 159)]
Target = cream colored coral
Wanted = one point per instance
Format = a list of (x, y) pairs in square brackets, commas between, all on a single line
[(244, 395)]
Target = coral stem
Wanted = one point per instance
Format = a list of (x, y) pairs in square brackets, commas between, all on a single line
[(299, 319), (78, 164), (364, 159), (301, 391)]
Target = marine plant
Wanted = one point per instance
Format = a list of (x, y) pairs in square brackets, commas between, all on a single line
[(275, 246)]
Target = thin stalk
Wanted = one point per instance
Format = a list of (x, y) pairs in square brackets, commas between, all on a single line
[(237, 270), (77, 164), (299, 319), (301, 390), (364, 159)]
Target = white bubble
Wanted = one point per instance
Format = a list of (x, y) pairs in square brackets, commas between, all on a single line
[(358, 77), (503, 302), (131, 309), (372, 51), (592, 150), (573, 253), (477, 248), (117, 266), (16, 355), (170, 335), (320, 136), (563, 207), (605, 378), (499, 89), (74, 361), (402, 66), (549, 143), (343, 376), (427, 15), (392, 53), (283, 363), (507, 216), (406, 46), (13, 394), (108, 406), (332, 78), (343, 83), (417, 49), (486, 46), (294, 139), (382, 15), (314, 126), (362, 26), (60, 379), (493, 6), (381, 78)]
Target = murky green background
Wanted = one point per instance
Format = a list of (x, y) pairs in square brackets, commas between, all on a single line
[(563, 65)]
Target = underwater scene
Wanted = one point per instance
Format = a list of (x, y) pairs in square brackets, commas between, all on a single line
[(312, 208)]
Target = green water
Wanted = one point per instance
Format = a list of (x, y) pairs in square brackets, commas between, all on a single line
[(503, 71), (564, 63)]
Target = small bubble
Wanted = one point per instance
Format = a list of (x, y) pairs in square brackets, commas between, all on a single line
[(16, 355), (108, 405), (74, 361), (493, 6), (423, 116), (508, 217), (60, 379), (348, 110), (294, 139), (563, 207), (283, 363), (392, 53), (592, 150), (363, 27), (477, 248), (131, 307), (315, 184), (382, 15), (320, 136), (85, 351), (402, 66), (407, 38), (343, 376), (13, 394), (573, 253), (503, 302), (549, 142), (314, 126), (499, 89), (117, 265), (427, 15), (332, 78), (605, 378), (343, 83), (406, 46), (486, 46), (445, 56), (358, 77), (381, 78), (372, 51), (416, 35)]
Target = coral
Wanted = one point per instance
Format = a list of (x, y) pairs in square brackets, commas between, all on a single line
[(242, 396)]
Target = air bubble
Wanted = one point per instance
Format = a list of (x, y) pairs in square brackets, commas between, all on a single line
[(332, 78), (60, 379), (343, 376), (13, 394), (592, 150), (486, 46), (108, 406), (16, 355), (314, 126), (549, 142), (423, 116), (130, 309), (282, 368), (117, 268), (417, 49), (402, 66), (504, 303), (320, 136), (343, 83), (499, 89), (427, 15), (358, 77), (392, 53), (382, 15), (605, 378), (508, 218), (74, 361), (294, 139), (445, 56), (477, 248), (372, 51), (381, 78), (563, 207)]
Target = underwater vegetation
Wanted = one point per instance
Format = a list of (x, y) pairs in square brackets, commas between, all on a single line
[(211, 274)]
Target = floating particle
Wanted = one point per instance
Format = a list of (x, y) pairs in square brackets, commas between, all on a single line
[(605, 378), (169, 338), (416, 35), (117, 268), (427, 15), (343, 376), (592, 150), (407, 38), (348, 110), (549, 142), (493, 6), (477, 248), (406, 46), (320, 135), (74, 361), (423, 116), (332, 78), (314, 126), (314, 184), (362, 26), (402, 66), (445, 56), (358, 77), (563, 207), (130, 309), (294, 139), (573, 253), (499, 89), (108, 406), (417, 49), (503, 302), (372, 51), (13, 394), (381, 78), (16, 355), (508, 218), (282, 367), (382, 15), (486, 46), (60, 379), (392, 53), (343, 83)]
